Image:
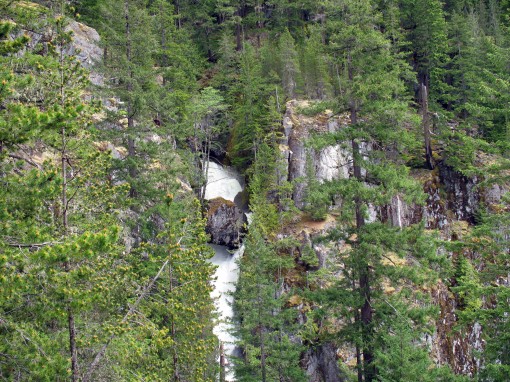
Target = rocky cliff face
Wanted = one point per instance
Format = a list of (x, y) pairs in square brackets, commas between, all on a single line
[(330, 163), (452, 201)]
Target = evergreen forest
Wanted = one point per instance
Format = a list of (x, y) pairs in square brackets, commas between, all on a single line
[(371, 140)]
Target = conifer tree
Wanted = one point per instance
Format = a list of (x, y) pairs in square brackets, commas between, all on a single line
[(289, 62), (313, 67), (249, 110), (487, 83), (55, 234), (373, 93), (174, 317), (178, 65), (265, 325), (128, 60), (16, 121), (479, 283), (428, 37)]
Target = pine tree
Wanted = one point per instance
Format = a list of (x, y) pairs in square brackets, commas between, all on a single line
[(170, 330), (265, 325), (249, 110), (428, 37), (16, 121), (314, 67), (480, 283), (205, 115), (178, 67), (57, 233)]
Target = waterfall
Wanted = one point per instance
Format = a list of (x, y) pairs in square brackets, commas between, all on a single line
[(224, 182)]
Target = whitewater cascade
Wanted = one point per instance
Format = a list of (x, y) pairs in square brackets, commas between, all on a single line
[(224, 182)]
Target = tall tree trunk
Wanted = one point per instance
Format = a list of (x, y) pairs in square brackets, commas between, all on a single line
[(239, 39), (359, 361), (222, 362), (164, 56), (173, 331), (426, 126), (262, 339), (364, 269), (71, 327), (177, 12)]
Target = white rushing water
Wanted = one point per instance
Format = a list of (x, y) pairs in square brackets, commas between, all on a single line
[(225, 183), (222, 182), (226, 276)]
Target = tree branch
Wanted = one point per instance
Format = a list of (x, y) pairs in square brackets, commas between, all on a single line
[(29, 161), (33, 245)]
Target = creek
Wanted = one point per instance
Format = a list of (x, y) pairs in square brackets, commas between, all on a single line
[(226, 183)]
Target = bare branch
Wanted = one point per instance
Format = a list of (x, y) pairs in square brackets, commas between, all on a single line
[(28, 160), (34, 245)]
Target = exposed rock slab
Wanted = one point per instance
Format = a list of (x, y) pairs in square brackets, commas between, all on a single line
[(85, 44), (225, 223), (328, 163)]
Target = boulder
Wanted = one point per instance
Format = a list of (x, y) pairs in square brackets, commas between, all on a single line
[(85, 44), (225, 223)]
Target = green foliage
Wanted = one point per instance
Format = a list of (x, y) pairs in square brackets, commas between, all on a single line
[(317, 196), (59, 239), (289, 64), (429, 44), (177, 338), (314, 68), (17, 121), (265, 326), (250, 111), (482, 295)]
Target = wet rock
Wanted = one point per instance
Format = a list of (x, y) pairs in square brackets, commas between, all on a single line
[(225, 223)]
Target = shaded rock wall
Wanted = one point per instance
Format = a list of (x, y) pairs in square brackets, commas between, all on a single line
[(321, 365)]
